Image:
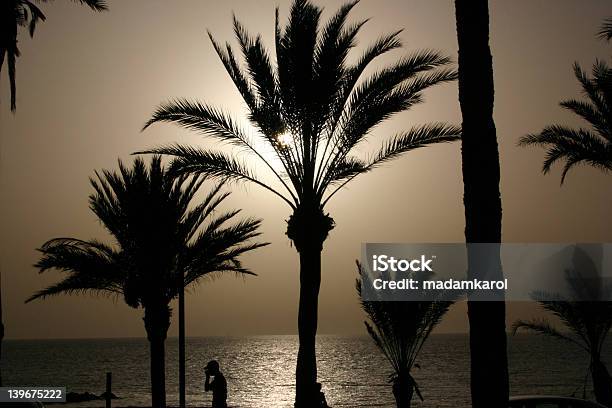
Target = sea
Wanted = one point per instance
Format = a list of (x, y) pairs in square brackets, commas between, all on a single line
[(260, 369)]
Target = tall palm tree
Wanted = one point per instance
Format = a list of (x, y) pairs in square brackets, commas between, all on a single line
[(161, 238), (312, 108), (587, 314), (400, 329), (15, 14), (482, 201), (581, 146), (23, 13)]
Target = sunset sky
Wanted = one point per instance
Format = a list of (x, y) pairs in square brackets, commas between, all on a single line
[(89, 81)]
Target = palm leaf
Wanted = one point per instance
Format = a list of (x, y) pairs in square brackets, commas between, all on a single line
[(605, 31), (545, 328)]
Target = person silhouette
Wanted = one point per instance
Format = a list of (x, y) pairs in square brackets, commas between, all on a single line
[(218, 385), (321, 402)]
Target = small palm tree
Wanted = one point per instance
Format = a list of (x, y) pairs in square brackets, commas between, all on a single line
[(399, 329), (581, 146), (312, 109), (586, 313), (23, 13), (161, 238)]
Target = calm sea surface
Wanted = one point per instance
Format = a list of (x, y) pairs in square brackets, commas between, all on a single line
[(260, 370)]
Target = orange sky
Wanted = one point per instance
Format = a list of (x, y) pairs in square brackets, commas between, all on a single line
[(88, 82)]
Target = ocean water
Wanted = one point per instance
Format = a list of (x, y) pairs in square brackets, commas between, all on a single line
[(260, 370)]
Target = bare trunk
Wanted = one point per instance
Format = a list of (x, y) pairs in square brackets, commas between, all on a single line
[(403, 392), (306, 370), (308, 228), (157, 321), (482, 200)]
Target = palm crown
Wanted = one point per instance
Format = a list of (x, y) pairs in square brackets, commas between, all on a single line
[(312, 107), (159, 234), (575, 146)]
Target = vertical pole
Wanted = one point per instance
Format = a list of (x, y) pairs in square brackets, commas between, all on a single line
[(1, 327), (109, 386), (182, 342)]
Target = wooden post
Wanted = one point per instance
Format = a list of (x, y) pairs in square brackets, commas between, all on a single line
[(109, 386)]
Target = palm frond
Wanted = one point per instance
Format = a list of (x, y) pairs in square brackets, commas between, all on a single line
[(210, 122), (390, 91), (92, 267), (571, 145), (75, 285), (590, 114), (415, 138), (545, 328), (605, 32), (96, 5), (189, 160)]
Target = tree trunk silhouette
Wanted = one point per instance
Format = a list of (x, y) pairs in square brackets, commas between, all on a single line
[(306, 370), (602, 386), (482, 201), (403, 392), (308, 228), (157, 321)]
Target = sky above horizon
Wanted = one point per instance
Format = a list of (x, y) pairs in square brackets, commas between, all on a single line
[(88, 82)]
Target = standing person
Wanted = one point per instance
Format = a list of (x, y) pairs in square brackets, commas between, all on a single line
[(218, 385), (322, 402)]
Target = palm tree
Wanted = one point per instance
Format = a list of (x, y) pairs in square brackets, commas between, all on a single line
[(482, 201), (15, 14), (399, 329), (23, 13), (587, 314), (161, 238), (312, 109), (581, 146)]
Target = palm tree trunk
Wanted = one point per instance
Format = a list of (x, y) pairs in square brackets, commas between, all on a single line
[(602, 385), (157, 321), (482, 200), (306, 370), (308, 228), (403, 392)]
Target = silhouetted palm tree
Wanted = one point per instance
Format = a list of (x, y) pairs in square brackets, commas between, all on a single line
[(22, 13), (576, 146), (482, 201), (161, 238), (399, 329), (586, 313), (312, 109)]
